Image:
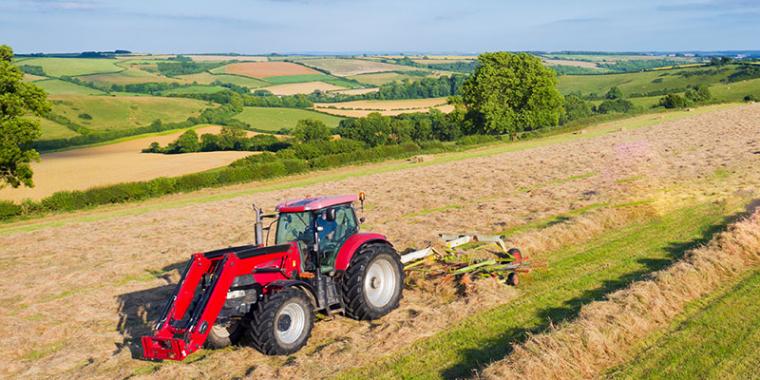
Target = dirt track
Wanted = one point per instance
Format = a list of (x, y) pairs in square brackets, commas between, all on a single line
[(73, 297)]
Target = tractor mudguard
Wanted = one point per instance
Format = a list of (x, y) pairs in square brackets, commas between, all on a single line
[(352, 244), (281, 284)]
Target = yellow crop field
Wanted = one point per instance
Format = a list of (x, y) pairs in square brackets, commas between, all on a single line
[(80, 169)]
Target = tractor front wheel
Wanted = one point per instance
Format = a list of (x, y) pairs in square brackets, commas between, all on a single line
[(373, 283), (282, 322)]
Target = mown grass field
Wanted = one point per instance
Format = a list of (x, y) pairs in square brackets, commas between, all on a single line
[(717, 338), (73, 66), (274, 119), (124, 112), (576, 276)]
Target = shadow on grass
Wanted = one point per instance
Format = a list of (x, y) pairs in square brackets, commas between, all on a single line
[(498, 348), (139, 310)]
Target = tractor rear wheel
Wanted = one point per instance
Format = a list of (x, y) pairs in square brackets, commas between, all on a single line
[(282, 322), (223, 335), (373, 283)]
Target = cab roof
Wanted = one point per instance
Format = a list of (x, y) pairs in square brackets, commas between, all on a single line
[(310, 204)]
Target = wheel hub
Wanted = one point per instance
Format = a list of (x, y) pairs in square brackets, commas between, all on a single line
[(283, 324), (380, 282), (290, 323)]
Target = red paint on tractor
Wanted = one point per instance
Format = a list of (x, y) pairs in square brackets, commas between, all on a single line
[(317, 203), (352, 244)]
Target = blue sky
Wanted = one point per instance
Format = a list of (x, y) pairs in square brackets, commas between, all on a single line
[(265, 26)]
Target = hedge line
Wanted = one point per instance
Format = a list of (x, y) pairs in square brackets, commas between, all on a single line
[(222, 115), (261, 167)]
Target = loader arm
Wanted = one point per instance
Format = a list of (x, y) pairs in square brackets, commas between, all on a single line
[(188, 317)]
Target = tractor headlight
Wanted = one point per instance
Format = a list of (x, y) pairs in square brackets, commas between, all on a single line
[(235, 294)]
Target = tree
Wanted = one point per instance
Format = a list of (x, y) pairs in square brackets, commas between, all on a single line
[(231, 139), (18, 98), (509, 93), (186, 143), (310, 130), (700, 93), (154, 147), (674, 101), (575, 108), (614, 93), (617, 105)]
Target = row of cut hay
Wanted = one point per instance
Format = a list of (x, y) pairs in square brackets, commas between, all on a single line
[(605, 332)]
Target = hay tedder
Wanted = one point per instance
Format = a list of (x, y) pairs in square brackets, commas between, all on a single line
[(268, 295)]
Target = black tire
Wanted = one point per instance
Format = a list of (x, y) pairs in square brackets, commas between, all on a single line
[(358, 303), (223, 336), (270, 322), (513, 279)]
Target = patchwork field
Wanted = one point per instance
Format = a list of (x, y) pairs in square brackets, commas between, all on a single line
[(274, 119), (347, 67), (594, 211), (80, 169), (124, 112), (265, 69), (360, 108)]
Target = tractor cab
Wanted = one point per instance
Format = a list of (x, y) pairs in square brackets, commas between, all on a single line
[(320, 226)]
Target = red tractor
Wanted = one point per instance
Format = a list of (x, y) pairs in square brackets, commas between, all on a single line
[(268, 294)]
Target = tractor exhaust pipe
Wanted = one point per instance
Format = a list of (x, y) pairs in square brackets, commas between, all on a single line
[(258, 226)]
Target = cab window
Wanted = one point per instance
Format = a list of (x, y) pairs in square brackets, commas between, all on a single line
[(335, 233), (294, 226)]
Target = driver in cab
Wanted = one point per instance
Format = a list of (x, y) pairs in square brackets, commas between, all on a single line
[(328, 226)]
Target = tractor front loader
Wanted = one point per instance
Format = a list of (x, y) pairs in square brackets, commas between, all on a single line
[(267, 295)]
